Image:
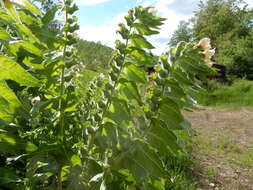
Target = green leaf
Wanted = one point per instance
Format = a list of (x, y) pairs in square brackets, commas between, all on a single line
[(107, 136), (9, 102), (10, 70), (50, 14), (11, 143), (30, 147), (8, 175), (11, 11), (26, 33), (32, 8), (162, 138), (144, 29), (42, 105), (29, 19), (140, 42), (4, 35), (5, 18), (27, 46), (170, 114), (133, 73), (141, 160), (75, 160), (141, 56), (129, 91), (119, 111), (175, 90), (181, 76)]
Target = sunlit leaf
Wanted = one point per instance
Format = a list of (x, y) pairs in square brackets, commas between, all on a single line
[(10, 70)]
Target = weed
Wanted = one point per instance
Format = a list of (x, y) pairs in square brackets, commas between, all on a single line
[(210, 172), (240, 93)]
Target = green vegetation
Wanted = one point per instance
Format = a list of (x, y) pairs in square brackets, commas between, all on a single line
[(229, 25), (120, 130), (95, 56), (183, 33), (238, 94)]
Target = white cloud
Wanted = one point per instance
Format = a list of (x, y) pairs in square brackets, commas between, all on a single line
[(90, 2), (249, 2), (105, 33)]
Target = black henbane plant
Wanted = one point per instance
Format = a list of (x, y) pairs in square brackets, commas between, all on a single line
[(118, 135)]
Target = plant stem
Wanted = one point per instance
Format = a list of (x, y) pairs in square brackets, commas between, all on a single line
[(108, 103), (62, 88), (59, 178)]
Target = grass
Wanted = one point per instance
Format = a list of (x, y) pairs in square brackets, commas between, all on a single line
[(179, 168), (240, 93)]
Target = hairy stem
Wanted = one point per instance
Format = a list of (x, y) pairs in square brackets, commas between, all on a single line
[(62, 89), (108, 103)]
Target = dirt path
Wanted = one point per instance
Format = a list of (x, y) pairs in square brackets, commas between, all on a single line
[(223, 148)]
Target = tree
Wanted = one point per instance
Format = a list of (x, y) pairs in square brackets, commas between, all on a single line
[(94, 55), (228, 23), (183, 33)]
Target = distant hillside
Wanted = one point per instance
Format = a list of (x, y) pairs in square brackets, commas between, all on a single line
[(94, 55)]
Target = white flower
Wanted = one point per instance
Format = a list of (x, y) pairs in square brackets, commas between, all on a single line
[(205, 44), (35, 99), (208, 54)]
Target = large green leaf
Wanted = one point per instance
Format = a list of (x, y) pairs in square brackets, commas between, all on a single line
[(10, 70), (133, 73), (169, 113), (162, 138), (141, 56), (119, 111), (5, 18), (11, 10), (27, 46), (140, 42), (144, 29), (9, 103), (50, 14), (129, 91), (4, 35), (141, 160), (11, 143), (26, 33), (32, 8)]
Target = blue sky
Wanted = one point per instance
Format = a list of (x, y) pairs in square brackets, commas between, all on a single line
[(98, 19)]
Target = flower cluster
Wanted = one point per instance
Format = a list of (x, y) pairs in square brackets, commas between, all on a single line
[(207, 51)]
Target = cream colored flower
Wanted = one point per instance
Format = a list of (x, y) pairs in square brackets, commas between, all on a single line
[(207, 55), (205, 44)]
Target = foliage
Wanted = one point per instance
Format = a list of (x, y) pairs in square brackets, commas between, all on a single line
[(183, 33), (229, 26), (235, 95), (120, 135), (94, 55)]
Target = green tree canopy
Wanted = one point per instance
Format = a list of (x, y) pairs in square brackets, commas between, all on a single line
[(228, 23), (94, 55), (183, 33)]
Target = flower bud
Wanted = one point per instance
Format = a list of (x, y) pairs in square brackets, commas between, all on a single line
[(35, 99)]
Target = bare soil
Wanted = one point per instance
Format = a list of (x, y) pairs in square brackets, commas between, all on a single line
[(223, 148)]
